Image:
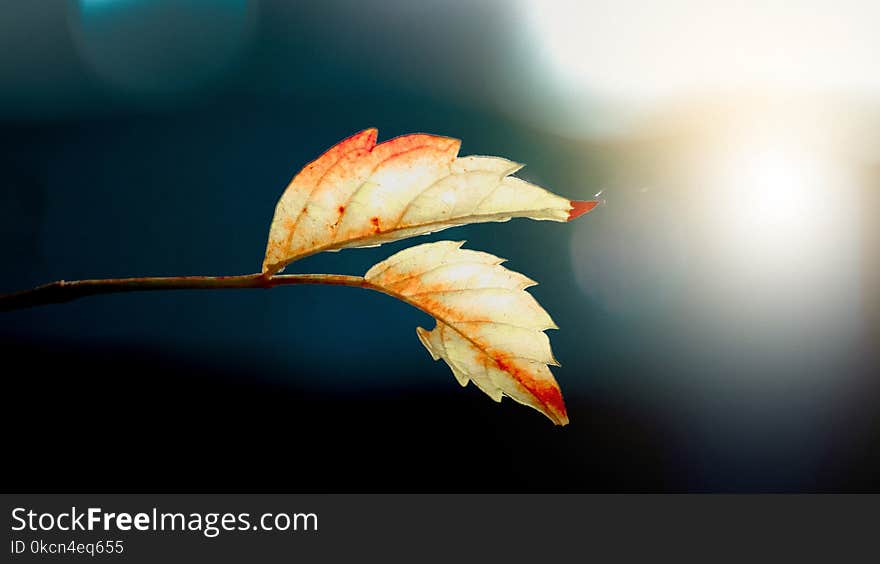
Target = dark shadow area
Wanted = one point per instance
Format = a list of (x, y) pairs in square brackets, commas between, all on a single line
[(123, 419)]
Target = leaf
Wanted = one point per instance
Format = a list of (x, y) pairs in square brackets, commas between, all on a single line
[(489, 329), (359, 194)]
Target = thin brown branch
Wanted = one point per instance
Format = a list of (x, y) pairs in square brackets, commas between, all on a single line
[(65, 291)]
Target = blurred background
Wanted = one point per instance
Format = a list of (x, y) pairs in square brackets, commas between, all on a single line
[(719, 313)]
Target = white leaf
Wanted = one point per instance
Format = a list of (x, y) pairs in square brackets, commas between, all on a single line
[(489, 329), (360, 194)]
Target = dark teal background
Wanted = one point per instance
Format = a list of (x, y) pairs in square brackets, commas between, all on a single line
[(155, 139)]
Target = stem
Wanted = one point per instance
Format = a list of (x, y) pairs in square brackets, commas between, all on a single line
[(64, 291)]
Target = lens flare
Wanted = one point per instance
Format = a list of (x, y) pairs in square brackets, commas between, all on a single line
[(780, 192)]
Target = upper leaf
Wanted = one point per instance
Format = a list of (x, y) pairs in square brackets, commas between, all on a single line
[(359, 194), (488, 329)]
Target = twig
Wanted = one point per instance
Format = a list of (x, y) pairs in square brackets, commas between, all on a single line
[(65, 291)]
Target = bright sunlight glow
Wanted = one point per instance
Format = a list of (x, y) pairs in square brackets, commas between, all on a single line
[(769, 195), (776, 198), (778, 190), (640, 51)]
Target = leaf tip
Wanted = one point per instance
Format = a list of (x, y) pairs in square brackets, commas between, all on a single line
[(369, 135), (551, 404), (554, 409), (580, 207)]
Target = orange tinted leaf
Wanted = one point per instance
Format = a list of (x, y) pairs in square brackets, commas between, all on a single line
[(489, 329), (360, 194)]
